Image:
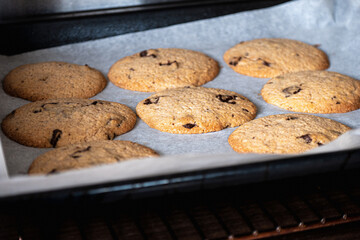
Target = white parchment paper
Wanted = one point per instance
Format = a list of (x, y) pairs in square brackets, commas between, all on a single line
[(335, 25)]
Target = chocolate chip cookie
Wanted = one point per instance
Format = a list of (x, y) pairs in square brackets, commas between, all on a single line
[(269, 57), (82, 155), (313, 92), (58, 122), (159, 69), (195, 110), (285, 133), (50, 80)]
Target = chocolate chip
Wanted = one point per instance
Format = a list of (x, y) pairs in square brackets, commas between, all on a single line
[(154, 100), (235, 61), (291, 118), (74, 155), (52, 171), (55, 137), (189, 125), (266, 63), (143, 53), (84, 150), (306, 137), (227, 98), (291, 90), (169, 63), (97, 102)]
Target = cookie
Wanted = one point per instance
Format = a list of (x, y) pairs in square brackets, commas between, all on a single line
[(269, 57), (164, 68), (84, 155), (285, 133), (58, 122), (50, 80), (195, 110), (313, 92)]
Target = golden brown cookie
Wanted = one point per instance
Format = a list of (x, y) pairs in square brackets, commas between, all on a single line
[(313, 92), (50, 80), (58, 122), (285, 133), (159, 69), (89, 154), (195, 110), (269, 57)]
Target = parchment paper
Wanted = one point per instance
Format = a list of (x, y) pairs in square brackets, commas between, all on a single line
[(335, 25)]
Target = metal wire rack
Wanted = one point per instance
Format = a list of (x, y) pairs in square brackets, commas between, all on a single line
[(255, 211)]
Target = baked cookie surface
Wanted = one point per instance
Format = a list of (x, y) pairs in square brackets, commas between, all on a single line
[(195, 110), (50, 80), (285, 133), (83, 155), (313, 92), (58, 122), (269, 57), (164, 68)]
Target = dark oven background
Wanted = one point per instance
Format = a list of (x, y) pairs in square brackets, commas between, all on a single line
[(31, 25)]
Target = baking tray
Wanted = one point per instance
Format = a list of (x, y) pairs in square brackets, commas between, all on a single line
[(172, 171)]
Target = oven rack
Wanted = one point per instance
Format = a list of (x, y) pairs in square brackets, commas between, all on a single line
[(270, 210)]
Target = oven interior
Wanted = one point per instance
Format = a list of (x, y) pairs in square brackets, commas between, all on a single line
[(277, 203)]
